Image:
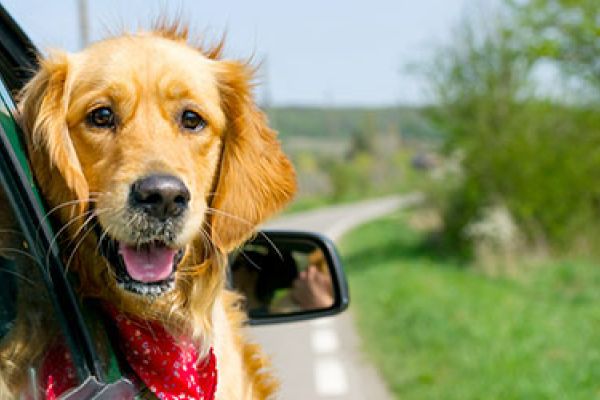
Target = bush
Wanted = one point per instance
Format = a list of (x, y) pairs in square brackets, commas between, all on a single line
[(537, 158)]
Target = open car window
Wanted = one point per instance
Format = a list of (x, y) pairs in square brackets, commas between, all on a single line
[(36, 346), (36, 354), (48, 341)]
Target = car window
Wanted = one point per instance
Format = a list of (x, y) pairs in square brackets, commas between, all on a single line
[(35, 355), (28, 302)]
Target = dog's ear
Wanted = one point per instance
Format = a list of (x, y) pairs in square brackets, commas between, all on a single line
[(255, 178), (43, 116)]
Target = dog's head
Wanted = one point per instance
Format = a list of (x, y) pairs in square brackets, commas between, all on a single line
[(155, 154)]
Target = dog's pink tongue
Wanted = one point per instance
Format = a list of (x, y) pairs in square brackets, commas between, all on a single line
[(148, 264)]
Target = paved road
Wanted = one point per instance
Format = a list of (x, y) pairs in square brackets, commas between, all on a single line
[(322, 359)]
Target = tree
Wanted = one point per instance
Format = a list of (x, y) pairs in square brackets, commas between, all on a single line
[(536, 157), (566, 32)]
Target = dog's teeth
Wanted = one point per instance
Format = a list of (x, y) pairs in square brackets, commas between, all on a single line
[(143, 289), (149, 290)]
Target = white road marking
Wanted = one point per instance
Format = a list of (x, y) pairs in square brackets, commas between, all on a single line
[(324, 341), (326, 321), (330, 377)]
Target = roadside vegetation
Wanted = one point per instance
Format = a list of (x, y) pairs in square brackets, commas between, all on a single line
[(438, 330), (508, 150), (348, 154), (517, 94), (492, 289)]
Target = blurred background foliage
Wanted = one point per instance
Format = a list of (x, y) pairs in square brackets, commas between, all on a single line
[(508, 148), (490, 289), (345, 154), (517, 98)]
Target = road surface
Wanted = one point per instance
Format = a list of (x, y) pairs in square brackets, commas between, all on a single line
[(322, 359)]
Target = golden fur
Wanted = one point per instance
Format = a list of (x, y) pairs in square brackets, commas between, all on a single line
[(235, 170)]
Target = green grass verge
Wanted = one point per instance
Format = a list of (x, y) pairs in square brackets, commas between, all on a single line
[(306, 204), (438, 330)]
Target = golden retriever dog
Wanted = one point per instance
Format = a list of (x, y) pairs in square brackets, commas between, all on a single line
[(159, 163)]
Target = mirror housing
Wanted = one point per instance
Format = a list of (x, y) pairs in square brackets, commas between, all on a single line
[(289, 276)]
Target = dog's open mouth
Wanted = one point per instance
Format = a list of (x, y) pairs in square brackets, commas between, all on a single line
[(146, 269)]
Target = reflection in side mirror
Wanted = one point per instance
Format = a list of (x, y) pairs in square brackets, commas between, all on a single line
[(289, 276)]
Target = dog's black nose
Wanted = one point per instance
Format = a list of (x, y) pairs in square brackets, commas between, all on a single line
[(161, 196)]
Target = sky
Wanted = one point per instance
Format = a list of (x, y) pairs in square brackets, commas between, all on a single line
[(314, 52)]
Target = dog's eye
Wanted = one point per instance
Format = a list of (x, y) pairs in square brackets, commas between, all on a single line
[(102, 117), (192, 121)]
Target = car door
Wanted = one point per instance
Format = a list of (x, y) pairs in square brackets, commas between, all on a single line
[(46, 338), (36, 336)]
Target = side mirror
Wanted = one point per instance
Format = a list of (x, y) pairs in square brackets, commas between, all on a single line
[(289, 276)]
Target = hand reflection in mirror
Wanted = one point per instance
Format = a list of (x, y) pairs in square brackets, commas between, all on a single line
[(312, 289), (293, 278)]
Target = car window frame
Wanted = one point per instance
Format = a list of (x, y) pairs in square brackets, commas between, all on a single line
[(27, 213), (28, 207)]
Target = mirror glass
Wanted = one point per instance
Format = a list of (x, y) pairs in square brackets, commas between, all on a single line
[(283, 276)]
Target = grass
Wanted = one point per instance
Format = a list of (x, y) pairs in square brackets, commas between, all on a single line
[(306, 204), (439, 330)]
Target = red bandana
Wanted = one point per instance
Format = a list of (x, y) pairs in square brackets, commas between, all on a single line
[(168, 368)]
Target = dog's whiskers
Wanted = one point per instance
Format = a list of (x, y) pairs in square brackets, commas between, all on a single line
[(107, 229), (67, 204), (12, 231), (208, 248), (214, 211), (79, 243), (207, 243), (60, 206), (60, 231), (243, 253), (15, 273), (91, 214), (22, 253), (97, 249), (85, 234)]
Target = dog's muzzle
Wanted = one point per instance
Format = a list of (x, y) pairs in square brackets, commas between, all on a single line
[(146, 263), (147, 270)]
